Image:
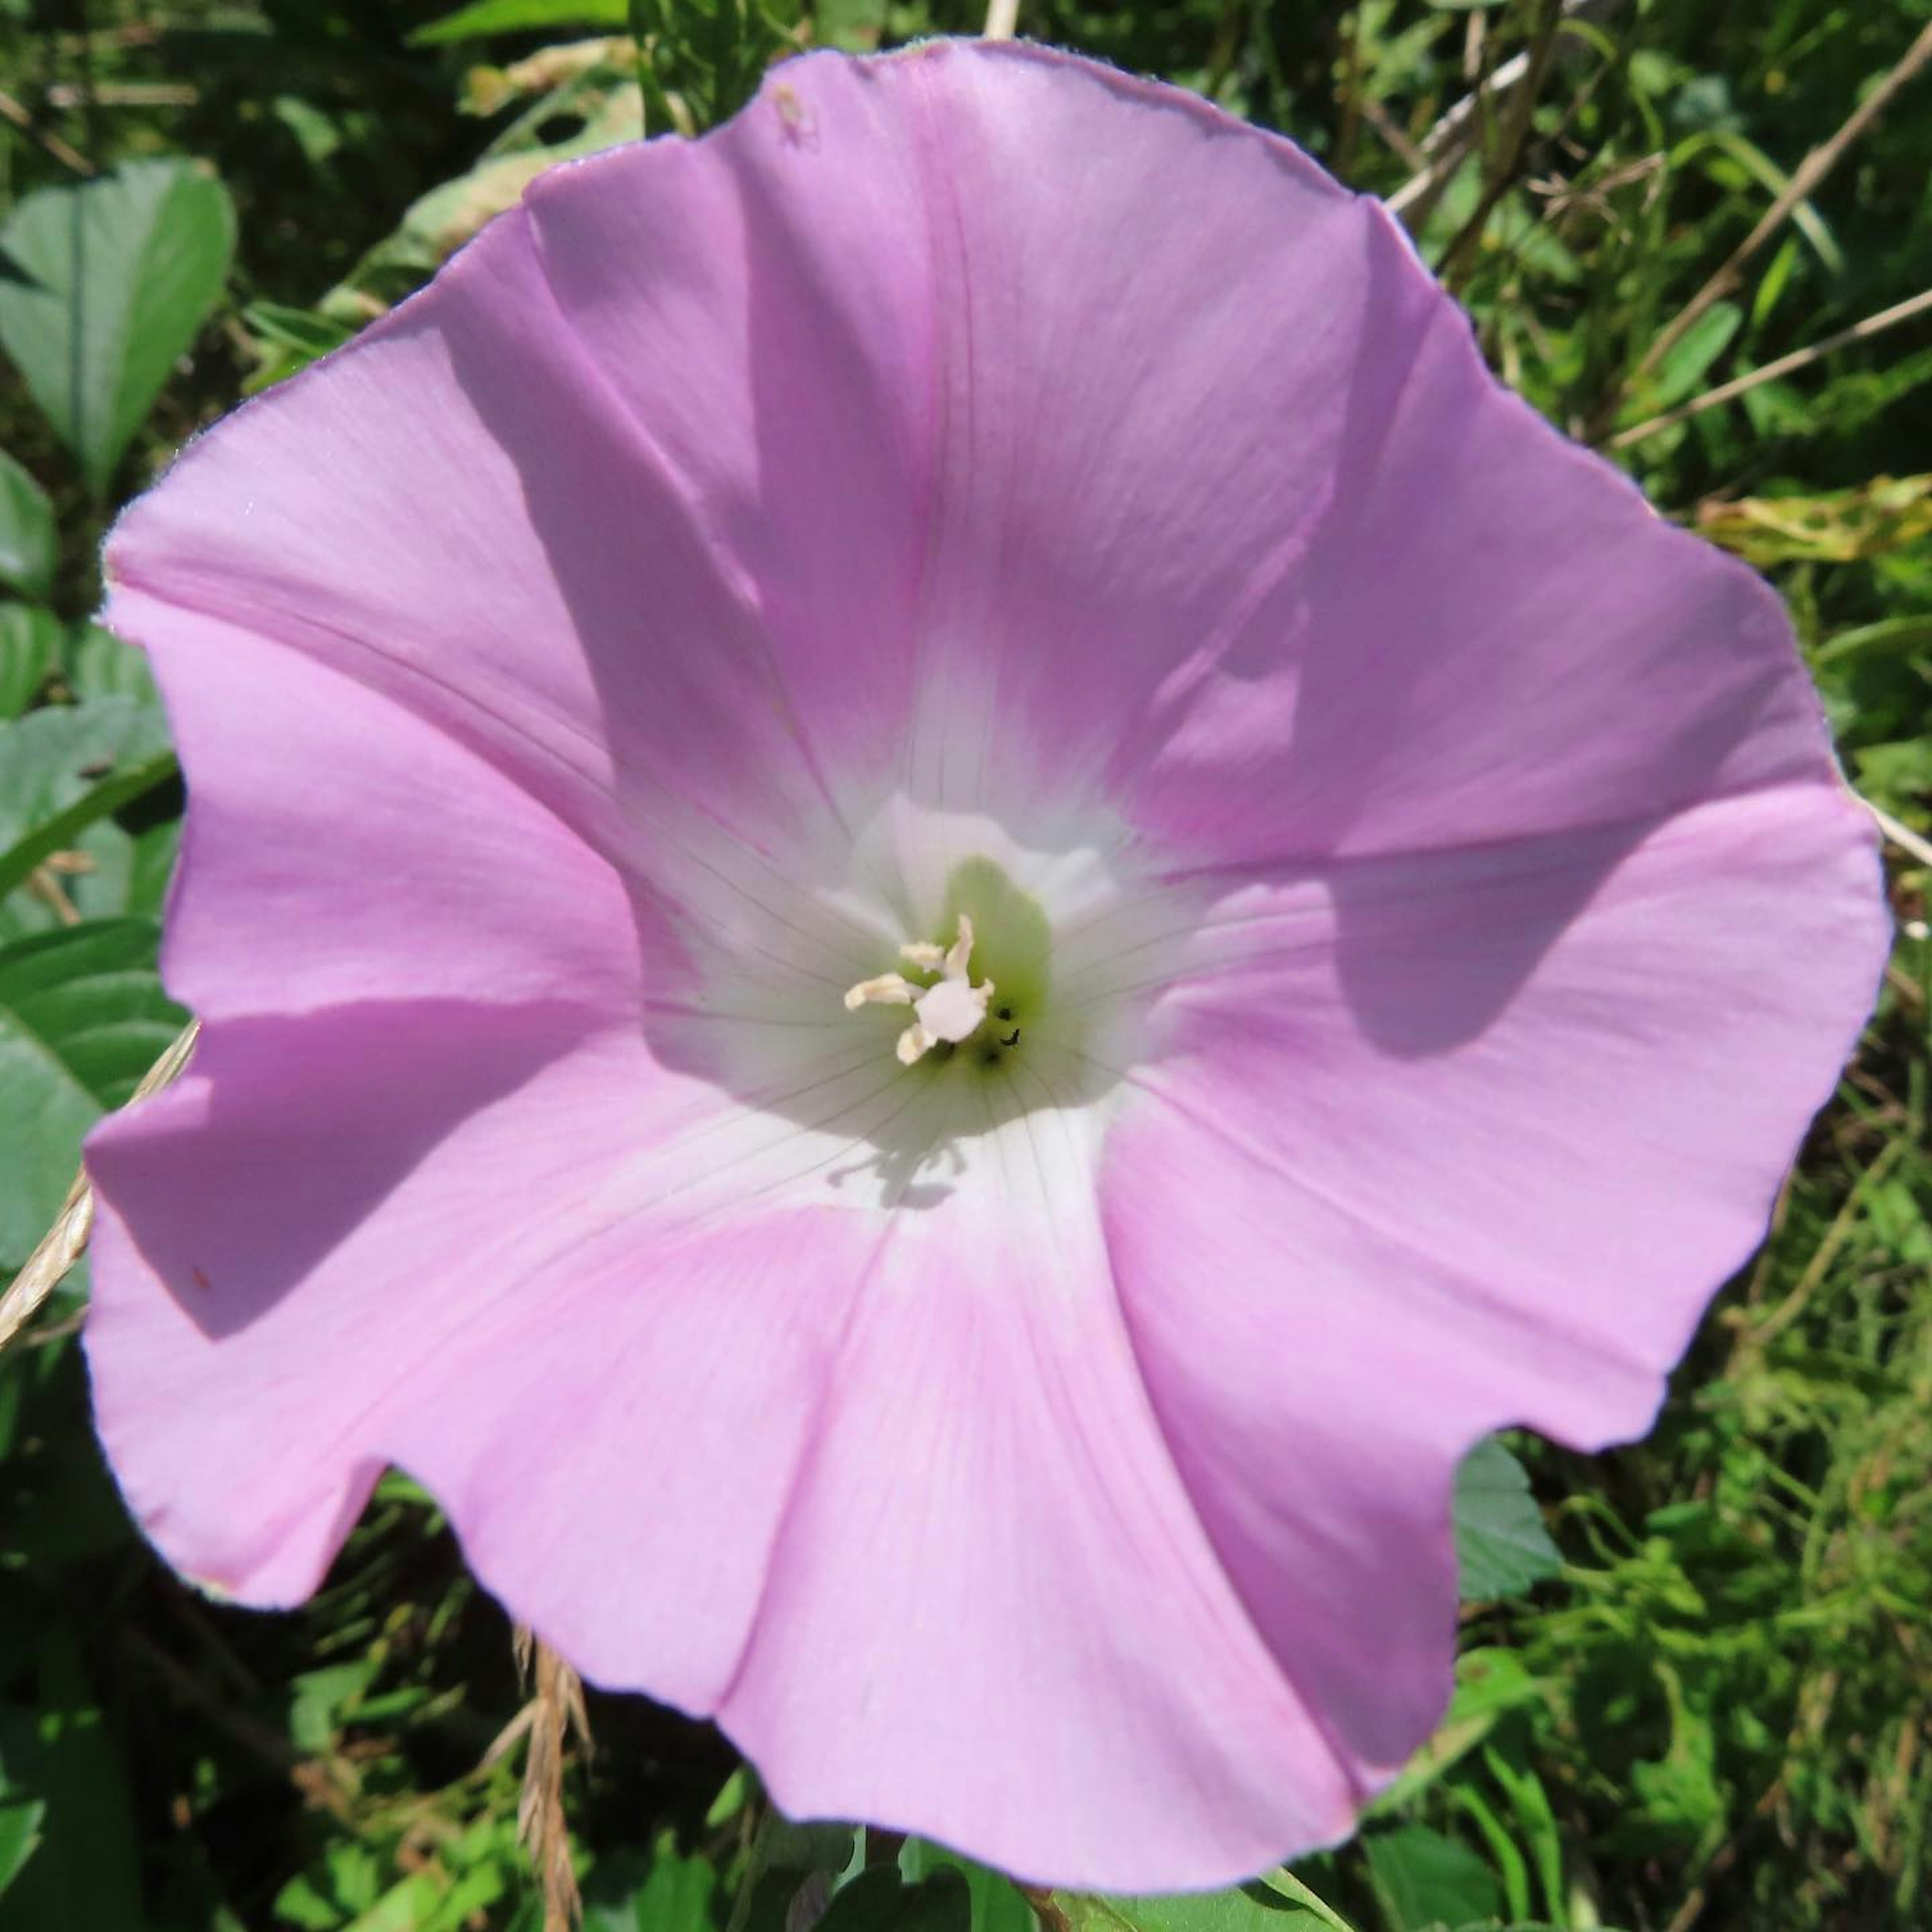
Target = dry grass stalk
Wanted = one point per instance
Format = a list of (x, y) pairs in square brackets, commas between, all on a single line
[(1784, 365), (1807, 175), (556, 1711), (66, 1241)]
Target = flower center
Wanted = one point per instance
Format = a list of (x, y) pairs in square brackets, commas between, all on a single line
[(952, 1004)]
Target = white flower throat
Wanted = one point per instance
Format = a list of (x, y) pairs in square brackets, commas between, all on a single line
[(952, 1009)]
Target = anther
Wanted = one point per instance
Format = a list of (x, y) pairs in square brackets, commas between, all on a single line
[(948, 1012)]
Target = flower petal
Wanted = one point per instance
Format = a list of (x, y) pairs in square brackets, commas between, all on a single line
[(1023, 423), (418, 1258), (1488, 633), (992, 1616), (341, 850), (454, 511), (1463, 1141)]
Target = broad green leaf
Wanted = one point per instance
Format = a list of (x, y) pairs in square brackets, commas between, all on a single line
[(405, 1907), (92, 878), (1278, 1903), (98, 664), (517, 17), (114, 278), (27, 542), (1502, 1547), (82, 1017), (65, 766), (30, 641), (1422, 1878)]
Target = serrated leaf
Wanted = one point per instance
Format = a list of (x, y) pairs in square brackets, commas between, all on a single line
[(82, 1016), (113, 279), (483, 17), (29, 644), (64, 767), (1502, 1547), (27, 539)]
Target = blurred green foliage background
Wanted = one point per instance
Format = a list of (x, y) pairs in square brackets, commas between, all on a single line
[(1708, 1704)]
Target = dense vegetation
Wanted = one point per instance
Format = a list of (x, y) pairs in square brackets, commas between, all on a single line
[(1716, 1712)]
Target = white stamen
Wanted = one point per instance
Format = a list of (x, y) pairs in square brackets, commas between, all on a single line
[(951, 1011), (887, 990)]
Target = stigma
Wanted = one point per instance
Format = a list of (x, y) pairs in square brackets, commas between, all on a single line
[(951, 1009)]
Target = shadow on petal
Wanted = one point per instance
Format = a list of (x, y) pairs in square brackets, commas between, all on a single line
[(303, 1129)]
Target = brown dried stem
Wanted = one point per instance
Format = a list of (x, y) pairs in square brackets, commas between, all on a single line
[(1784, 365), (556, 1712), (1809, 174)]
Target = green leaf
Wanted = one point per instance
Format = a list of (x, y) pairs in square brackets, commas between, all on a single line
[(291, 339), (114, 277), (661, 1892), (86, 1872), (82, 1016), (519, 16), (856, 26), (27, 542), (19, 1833), (98, 664), (1489, 1683), (406, 1907), (64, 767), (879, 1900), (998, 1905), (29, 644), (1501, 1546), (1689, 361), (1280, 1903), (20, 1814), (1888, 635), (1422, 1878)]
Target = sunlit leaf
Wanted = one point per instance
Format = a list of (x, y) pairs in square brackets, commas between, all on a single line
[(1422, 1878), (82, 1017), (63, 767), (27, 547), (1502, 1547), (112, 280), (30, 639)]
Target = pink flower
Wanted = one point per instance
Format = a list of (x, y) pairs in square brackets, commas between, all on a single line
[(976, 518)]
